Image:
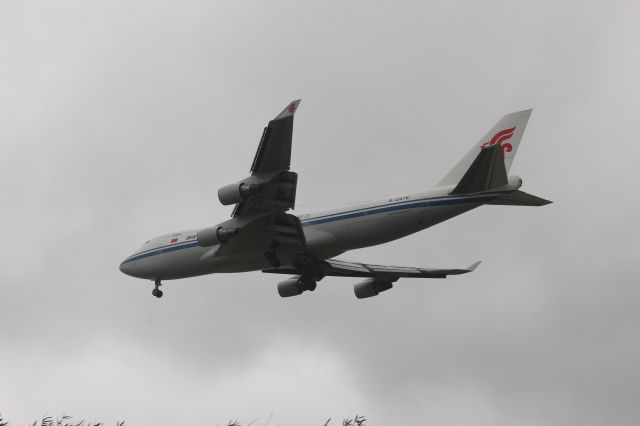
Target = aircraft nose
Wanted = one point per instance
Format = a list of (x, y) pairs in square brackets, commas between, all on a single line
[(126, 268)]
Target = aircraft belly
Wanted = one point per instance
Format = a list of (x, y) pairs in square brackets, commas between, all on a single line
[(241, 262), (378, 228), (189, 263), (381, 228), (439, 214), (324, 240), (177, 264)]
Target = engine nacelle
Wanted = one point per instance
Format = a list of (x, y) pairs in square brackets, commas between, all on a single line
[(215, 235), (290, 287), (295, 286), (371, 287), (236, 192)]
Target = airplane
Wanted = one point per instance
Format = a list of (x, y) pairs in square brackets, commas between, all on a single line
[(262, 235)]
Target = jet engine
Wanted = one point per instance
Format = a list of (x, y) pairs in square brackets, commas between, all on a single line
[(294, 286), (236, 192), (279, 186), (371, 287), (215, 235)]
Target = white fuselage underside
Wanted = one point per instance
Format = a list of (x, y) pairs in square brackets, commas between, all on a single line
[(328, 234)]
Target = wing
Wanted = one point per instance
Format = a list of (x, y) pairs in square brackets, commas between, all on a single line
[(260, 216), (279, 234), (270, 168), (274, 151), (341, 268)]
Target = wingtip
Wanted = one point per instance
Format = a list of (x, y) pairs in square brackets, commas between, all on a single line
[(290, 109), (474, 265)]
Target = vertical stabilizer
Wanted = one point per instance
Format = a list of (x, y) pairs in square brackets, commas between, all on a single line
[(507, 133), (487, 172)]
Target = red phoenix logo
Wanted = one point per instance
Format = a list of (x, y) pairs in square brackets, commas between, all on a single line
[(500, 137), (292, 107)]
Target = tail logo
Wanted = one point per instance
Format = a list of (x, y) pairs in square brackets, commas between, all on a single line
[(500, 137)]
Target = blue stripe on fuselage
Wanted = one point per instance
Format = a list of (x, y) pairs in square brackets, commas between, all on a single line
[(405, 205), (163, 249)]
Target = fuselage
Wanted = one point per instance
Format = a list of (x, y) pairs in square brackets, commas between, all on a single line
[(328, 233)]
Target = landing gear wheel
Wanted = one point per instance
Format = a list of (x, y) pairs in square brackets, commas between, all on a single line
[(308, 267), (156, 291)]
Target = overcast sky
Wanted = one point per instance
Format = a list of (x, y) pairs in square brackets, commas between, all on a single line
[(119, 120)]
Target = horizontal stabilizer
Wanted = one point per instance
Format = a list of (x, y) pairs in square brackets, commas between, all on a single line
[(520, 198), (487, 172)]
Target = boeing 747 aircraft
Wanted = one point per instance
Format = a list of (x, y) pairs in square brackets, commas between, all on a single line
[(263, 236)]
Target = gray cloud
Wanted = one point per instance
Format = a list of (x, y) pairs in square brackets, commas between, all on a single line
[(119, 121)]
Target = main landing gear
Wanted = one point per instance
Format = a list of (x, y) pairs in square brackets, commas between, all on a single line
[(156, 291), (306, 283), (310, 273)]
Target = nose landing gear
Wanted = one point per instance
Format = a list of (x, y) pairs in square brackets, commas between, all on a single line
[(156, 291)]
